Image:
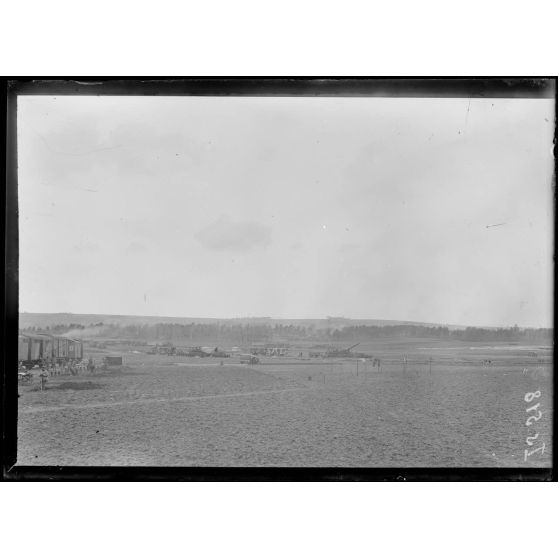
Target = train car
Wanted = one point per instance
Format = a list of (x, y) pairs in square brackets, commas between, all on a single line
[(22, 348), (35, 346), (56, 347), (47, 348), (71, 349), (61, 347), (30, 349), (41, 348), (75, 349)]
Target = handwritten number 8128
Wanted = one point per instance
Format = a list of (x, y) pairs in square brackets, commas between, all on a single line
[(532, 419)]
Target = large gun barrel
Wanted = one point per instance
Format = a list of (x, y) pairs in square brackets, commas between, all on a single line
[(352, 346)]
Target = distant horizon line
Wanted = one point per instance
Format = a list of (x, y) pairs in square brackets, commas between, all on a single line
[(326, 318)]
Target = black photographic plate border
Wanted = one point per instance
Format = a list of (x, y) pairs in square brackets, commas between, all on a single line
[(467, 87)]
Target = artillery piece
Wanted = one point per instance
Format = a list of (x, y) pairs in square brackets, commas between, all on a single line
[(340, 353)]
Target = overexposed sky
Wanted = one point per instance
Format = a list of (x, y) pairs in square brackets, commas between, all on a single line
[(288, 207)]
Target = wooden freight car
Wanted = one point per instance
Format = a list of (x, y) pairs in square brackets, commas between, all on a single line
[(75, 349), (61, 347), (67, 349), (30, 348), (47, 348), (39, 348), (24, 343)]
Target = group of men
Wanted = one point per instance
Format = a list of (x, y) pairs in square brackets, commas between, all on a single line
[(52, 368)]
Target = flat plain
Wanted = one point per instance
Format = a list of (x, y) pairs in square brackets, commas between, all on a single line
[(456, 411)]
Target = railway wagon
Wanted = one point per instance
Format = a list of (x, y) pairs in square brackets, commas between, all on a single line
[(75, 349), (47, 347), (23, 348), (65, 348), (39, 348), (61, 347), (30, 349), (35, 346)]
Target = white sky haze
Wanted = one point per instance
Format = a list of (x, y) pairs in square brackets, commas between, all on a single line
[(288, 207)]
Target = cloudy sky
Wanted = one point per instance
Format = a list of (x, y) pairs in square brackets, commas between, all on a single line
[(436, 210)]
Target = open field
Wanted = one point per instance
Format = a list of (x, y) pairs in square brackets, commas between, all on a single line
[(182, 411)]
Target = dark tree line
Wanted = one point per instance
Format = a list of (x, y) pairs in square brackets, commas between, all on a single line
[(511, 334), (242, 334), (57, 328)]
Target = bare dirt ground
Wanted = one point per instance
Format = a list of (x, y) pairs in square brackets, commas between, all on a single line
[(163, 411)]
